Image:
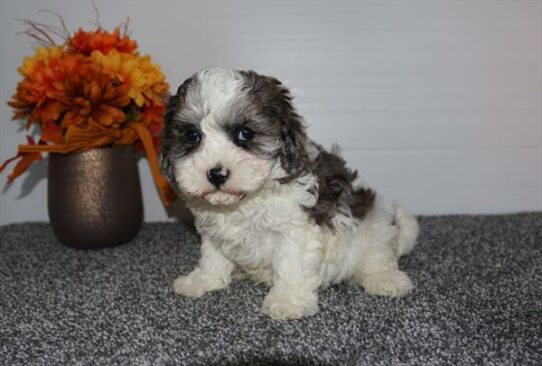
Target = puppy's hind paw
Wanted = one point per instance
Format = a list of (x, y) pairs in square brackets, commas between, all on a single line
[(393, 283)]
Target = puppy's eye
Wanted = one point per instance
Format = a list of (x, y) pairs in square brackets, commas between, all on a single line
[(244, 134), (193, 136)]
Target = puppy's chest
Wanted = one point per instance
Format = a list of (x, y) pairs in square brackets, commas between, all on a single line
[(248, 235), (246, 240)]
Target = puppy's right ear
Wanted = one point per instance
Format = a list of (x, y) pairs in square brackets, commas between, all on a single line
[(169, 137)]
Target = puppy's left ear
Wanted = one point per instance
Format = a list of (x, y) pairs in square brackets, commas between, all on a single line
[(275, 102), (293, 154)]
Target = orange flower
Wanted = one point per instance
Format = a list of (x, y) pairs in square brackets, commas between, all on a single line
[(24, 102), (85, 43), (145, 80), (93, 91), (44, 75), (94, 97), (42, 58)]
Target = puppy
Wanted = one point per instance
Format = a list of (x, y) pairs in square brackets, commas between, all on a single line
[(269, 203)]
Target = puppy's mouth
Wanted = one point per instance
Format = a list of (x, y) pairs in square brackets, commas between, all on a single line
[(222, 196)]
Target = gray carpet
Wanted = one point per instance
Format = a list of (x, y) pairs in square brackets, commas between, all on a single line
[(478, 301)]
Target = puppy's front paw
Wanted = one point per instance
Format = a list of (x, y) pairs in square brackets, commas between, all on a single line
[(188, 286), (199, 282), (283, 307), (393, 283)]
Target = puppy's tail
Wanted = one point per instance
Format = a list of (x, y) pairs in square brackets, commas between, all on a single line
[(408, 230)]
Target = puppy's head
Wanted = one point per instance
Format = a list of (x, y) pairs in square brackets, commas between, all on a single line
[(227, 133)]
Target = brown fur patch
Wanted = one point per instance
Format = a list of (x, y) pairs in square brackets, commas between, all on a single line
[(335, 191), (274, 101)]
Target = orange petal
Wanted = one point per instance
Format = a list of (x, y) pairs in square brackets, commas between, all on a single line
[(95, 92), (51, 132)]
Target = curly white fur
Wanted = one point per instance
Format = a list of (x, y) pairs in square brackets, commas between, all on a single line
[(270, 238)]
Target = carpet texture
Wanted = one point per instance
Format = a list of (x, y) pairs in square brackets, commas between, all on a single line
[(478, 301)]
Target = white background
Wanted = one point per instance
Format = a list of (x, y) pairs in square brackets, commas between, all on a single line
[(437, 103)]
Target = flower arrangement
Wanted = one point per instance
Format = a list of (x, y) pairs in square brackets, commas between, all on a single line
[(92, 90)]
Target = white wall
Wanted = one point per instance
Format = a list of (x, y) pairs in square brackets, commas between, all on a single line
[(438, 104)]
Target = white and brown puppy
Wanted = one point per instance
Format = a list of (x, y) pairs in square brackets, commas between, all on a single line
[(269, 203)]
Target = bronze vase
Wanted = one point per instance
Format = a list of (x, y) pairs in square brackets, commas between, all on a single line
[(94, 197)]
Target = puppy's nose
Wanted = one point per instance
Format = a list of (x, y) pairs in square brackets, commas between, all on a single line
[(218, 175)]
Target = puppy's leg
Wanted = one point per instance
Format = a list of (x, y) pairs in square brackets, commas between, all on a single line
[(296, 278), (377, 270), (212, 273)]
